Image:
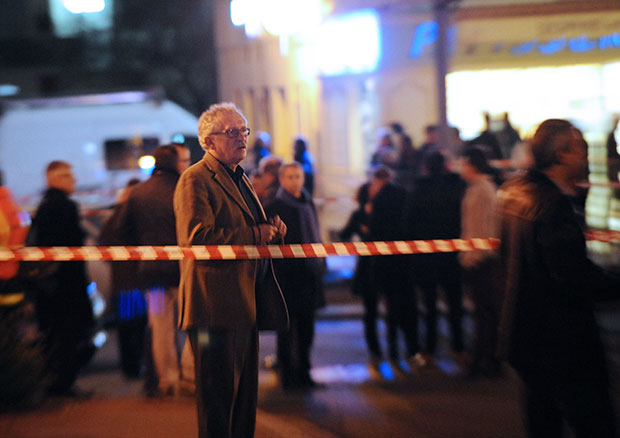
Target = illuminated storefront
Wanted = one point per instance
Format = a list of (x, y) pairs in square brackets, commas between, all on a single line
[(360, 70)]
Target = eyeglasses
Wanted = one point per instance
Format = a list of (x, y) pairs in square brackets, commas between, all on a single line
[(234, 132)]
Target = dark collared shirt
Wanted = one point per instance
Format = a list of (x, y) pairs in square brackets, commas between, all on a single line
[(250, 200), (252, 203)]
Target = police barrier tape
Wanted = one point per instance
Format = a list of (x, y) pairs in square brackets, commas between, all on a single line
[(240, 252)]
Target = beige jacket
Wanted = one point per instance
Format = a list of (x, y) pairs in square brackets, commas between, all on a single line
[(210, 210)]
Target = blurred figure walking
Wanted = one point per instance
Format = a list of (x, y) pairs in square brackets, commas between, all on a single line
[(548, 331), (301, 280), (481, 268), (147, 218), (63, 308), (387, 213), (435, 213), (364, 282), (128, 303), (302, 155)]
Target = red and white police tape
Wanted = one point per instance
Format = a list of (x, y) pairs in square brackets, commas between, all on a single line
[(239, 252)]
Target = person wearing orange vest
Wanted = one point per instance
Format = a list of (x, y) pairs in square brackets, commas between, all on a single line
[(14, 225)]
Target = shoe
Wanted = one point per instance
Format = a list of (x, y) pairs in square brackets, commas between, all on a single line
[(421, 360), (289, 384), (185, 389), (306, 381), (462, 358), (270, 362), (375, 362), (397, 368)]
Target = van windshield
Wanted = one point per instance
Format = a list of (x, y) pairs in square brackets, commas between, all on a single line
[(124, 153)]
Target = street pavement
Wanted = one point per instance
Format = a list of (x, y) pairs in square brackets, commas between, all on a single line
[(352, 401)]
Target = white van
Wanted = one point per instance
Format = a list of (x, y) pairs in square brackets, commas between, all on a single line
[(101, 135)]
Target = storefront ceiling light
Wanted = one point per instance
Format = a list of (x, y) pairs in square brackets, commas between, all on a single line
[(349, 43), (278, 17), (84, 6)]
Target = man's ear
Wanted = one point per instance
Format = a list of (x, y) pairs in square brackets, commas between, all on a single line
[(208, 142)]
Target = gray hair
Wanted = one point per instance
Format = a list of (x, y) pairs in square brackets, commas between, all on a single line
[(552, 137), (208, 119)]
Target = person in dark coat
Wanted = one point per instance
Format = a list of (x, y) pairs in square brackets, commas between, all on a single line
[(147, 218), (63, 309), (128, 303), (392, 276), (301, 280), (363, 282), (487, 140), (224, 303), (435, 213), (302, 155), (613, 157), (548, 331)]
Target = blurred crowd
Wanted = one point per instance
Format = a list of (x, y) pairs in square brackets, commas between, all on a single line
[(432, 191)]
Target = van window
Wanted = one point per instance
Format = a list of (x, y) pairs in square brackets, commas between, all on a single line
[(191, 141), (123, 153)]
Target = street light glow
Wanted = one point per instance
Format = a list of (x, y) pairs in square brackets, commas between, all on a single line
[(84, 6), (278, 17), (146, 162), (349, 43)]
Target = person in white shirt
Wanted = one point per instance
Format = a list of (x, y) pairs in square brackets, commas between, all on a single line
[(480, 267)]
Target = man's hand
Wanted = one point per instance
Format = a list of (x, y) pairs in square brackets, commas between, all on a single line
[(279, 225), (265, 233)]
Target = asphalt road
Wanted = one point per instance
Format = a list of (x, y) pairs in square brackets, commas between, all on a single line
[(352, 401)]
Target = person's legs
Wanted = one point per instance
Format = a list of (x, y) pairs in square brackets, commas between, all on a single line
[(474, 285), (188, 368), (391, 319), (304, 347), (408, 318), (285, 340), (132, 320), (163, 330), (370, 300), (588, 408), (216, 380), (429, 294), (543, 418), (246, 390), (449, 277)]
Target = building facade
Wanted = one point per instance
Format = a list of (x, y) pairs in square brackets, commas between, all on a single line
[(367, 66)]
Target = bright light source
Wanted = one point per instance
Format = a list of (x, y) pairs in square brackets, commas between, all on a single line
[(238, 12), (99, 339), (350, 43), (178, 139), (278, 17), (8, 90), (551, 93), (84, 6), (146, 162)]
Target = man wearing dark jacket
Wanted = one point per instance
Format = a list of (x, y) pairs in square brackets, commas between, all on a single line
[(435, 213), (147, 218), (300, 279), (63, 308), (386, 208), (548, 332)]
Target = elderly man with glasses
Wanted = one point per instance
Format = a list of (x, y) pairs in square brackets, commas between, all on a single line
[(223, 303)]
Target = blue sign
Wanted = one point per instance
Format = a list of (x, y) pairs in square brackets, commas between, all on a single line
[(426, 34)]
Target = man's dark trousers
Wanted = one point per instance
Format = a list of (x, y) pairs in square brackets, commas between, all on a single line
[(226, 381)]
